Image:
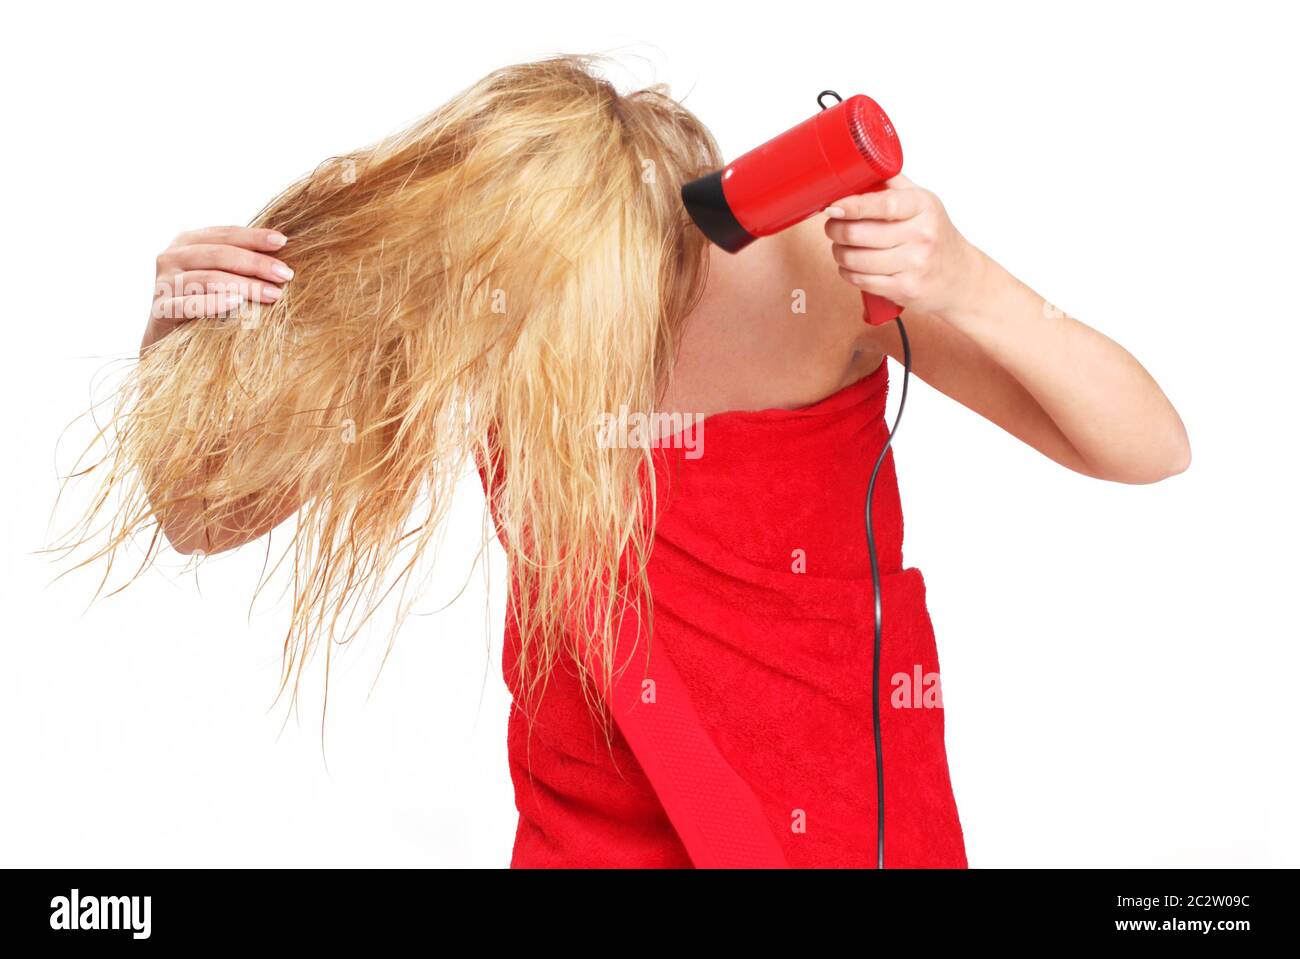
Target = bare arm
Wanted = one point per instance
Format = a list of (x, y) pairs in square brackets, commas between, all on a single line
[(984, 338)]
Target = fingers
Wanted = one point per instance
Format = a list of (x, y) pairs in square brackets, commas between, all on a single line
[(878, 234), (250, 238), (199, 282), (858, 259), (899, 243), (893, 288), (891, 204), (179, 308), (874, 237), (224, 258), (214, 273)]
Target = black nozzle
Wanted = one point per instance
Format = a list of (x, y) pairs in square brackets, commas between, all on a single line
[(708, 207)]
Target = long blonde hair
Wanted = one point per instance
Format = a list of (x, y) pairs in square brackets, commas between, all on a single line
[(477, 288)]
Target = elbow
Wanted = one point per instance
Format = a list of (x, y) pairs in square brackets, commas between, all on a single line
[(1140, 462), (1163, 471), (1178, 456), (185, 540), (182, 526), (1175, 457), (1183, 459)]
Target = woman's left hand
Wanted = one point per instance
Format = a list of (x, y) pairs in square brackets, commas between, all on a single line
[(899, 243)]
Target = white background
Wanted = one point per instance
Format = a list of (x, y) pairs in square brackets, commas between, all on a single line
[(1119, 662)]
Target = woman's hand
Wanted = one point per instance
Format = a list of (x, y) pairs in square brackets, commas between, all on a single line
[(211, 273), (899, 243)]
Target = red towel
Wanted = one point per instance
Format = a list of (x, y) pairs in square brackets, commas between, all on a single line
[(755, 748)]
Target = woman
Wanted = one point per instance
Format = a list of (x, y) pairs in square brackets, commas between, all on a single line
[(687, 636)]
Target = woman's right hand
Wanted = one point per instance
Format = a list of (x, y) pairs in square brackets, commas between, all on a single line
[(211, 273)]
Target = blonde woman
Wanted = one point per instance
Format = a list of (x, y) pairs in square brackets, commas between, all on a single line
[(687, 637)]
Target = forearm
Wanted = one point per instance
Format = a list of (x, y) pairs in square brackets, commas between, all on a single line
[(999, 348), (1101, 399)]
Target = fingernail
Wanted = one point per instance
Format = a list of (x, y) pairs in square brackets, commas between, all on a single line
[(282, 271), (277, 239), (271, 293), (835, 210)]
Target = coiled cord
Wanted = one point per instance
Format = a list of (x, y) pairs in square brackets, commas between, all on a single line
[(875, 587)]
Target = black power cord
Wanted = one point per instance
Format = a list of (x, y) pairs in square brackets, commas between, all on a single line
[(875, 587)]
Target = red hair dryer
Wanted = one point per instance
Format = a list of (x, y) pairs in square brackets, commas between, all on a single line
[(849, 148)]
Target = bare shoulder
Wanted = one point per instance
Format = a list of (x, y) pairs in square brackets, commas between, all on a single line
[(834, 305), (807, 252), (776, 327)]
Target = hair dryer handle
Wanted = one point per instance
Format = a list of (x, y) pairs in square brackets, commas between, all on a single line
[(877, 310)]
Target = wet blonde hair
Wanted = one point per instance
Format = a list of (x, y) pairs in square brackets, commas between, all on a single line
[(476, 289)]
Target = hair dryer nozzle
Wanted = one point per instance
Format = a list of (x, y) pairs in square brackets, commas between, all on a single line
[(707, 204)]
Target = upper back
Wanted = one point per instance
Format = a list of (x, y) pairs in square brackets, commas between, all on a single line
[(776, 327)]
